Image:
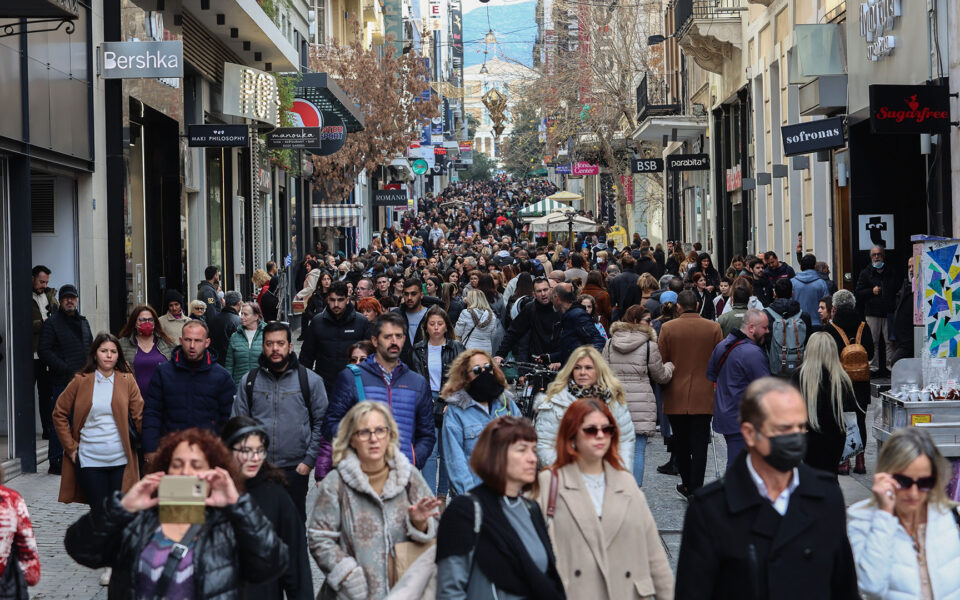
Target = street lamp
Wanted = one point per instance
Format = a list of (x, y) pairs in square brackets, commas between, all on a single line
[(490, 38)]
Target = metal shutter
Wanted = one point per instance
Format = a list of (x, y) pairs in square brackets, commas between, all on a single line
[(42, 205)]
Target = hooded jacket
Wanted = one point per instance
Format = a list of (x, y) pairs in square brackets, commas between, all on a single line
[(535, 324), (549, 412), (633, 355), (808, 289), (745, 363), (325, 343), (463, 422), (408, 396), (180, 397), (788, 307), (207, 293), (294, 423)]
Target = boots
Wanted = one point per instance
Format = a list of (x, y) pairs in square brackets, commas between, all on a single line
[(860, 468), (844, 468), (670, 467)]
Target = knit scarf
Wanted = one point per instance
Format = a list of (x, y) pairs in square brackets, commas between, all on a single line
[(593, 391)]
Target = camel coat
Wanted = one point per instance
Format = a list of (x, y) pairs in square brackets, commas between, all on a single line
[(617, 557), (633, 355), (687, 342), (76, 400)]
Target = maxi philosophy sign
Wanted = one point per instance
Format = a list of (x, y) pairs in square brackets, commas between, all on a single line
[(141, 60), (250, 93), (876, 19)]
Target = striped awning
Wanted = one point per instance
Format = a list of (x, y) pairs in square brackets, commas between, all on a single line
[(541, 208), (336, 215)]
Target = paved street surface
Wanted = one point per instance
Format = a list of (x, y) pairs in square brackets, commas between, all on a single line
[(63, 578)]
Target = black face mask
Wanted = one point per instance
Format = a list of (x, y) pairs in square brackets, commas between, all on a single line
[(485, 388), (786, 451)]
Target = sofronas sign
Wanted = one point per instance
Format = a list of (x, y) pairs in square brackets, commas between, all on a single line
[(909, 109), (812, 136)]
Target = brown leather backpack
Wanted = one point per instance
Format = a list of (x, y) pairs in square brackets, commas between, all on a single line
[(853, 356)]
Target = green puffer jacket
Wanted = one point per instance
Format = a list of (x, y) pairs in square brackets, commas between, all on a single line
[(242, 357)]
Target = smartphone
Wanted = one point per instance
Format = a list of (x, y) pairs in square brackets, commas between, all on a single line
[(182, 499)]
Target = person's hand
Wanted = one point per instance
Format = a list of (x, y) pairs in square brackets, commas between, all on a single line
[(303, 469), (223, 492), (141, 495), (885, 491), (73, 456), (354, 585), (148, 459), (555, 366), (423, 510), (876, 290), (710, 287), (498, 360)]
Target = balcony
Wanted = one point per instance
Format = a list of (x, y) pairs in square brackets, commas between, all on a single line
[(655, 100), (708, 31)]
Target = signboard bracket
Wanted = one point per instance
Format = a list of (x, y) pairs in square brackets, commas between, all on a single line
[(22, 27)]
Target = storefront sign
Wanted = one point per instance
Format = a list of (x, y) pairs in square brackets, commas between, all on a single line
[(294, 138), (141, 60), (734, 178), (439, 151), (420, 166), (688, 162), (333, 135), (646, 165), (875, 230), (877, 18), (804, 138), (390, 198), (250, 93), (218, 136), (585, 168), (909, 109), (466, 153), (626, 184), (563, 170)]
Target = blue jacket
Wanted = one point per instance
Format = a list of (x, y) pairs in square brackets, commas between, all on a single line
[(808, 289), (746, 363), (462, 423), (576, 329), (180, 398), (409, 398)]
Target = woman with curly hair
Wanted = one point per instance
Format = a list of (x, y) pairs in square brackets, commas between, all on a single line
[(586, 375)]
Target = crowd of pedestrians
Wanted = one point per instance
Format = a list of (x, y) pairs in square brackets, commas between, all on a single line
[(475, 405)]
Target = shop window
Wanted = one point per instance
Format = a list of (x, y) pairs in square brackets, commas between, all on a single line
[(215, 207)]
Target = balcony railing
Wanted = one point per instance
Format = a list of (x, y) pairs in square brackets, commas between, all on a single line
[(685, 11), (655, 100), (708, 30)]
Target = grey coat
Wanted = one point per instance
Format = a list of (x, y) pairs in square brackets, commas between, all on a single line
[(278, 403), (633, 355)]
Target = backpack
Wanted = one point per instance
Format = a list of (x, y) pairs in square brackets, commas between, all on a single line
[(787, 340), (853, 356)]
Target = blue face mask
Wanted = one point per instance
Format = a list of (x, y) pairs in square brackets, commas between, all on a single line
[(878, 265)]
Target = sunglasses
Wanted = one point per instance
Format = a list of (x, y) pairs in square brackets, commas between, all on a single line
[(487, 368), (593, 430), (924, 484)]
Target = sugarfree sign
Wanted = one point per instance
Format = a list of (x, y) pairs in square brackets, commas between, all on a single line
[(140, 60), (876, 19)]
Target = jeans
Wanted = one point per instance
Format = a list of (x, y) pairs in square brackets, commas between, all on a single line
[(99, 483), (638, 458), (435, 471), (662, 419), (297, 488), (55, 450), (691, 434), (41, 376), (735, 445)]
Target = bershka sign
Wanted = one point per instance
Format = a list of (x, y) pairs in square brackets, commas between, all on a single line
[(218, 136), (909, 109), (390, 198), (804, 138), (688, 162), (141, 60), (646, 165)]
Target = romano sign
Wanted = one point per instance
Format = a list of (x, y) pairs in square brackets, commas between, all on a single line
[(909, 109), (688, 162), (813, 136), (141, 60), (390, 198)]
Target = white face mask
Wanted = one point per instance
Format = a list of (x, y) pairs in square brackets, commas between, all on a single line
[(220, 294)]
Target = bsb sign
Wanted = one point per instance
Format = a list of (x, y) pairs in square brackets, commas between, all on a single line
[(141, 60), (909, 109), (646, 165), (688, 162), (804, 138)]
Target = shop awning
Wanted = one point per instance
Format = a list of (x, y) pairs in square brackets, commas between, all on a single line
[(336, 215), (541, 208), (327, 95), (685, 127)]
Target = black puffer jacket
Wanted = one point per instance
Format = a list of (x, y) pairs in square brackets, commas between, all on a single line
[(222, 326), (236, 545), (64, 343), (326, 341), (531, 333)]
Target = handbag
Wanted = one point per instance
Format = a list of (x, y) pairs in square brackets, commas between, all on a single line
[(135, 438), (852, 445), (13, 585), (404, 554)]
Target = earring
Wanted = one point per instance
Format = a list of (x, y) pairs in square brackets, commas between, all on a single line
[(574, 444)]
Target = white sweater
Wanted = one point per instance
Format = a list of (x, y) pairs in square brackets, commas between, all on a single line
[(886, 562)]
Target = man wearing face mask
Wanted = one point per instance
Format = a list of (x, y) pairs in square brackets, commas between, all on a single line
[(771, 528), (876, 293)]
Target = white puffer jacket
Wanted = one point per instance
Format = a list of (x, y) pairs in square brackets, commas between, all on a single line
[(886, 561), (549, 413), (478, 328)]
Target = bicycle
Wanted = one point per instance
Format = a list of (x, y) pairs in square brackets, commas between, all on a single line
[(532, 381)]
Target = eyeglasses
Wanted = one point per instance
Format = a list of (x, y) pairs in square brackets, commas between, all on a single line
[(145, 320), (487, 368), (924, 484), (876, 254), (594, 431), (364, 434), (246, 453)]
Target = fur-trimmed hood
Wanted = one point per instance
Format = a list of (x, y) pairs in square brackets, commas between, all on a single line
[(627, 337), (353, 475)]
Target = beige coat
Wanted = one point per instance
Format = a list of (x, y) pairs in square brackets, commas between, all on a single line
[(633, 355), (618, 557), (687, 342)]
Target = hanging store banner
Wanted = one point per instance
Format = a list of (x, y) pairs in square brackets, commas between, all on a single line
[(294, 138), (466, 153), (909, 109), (390, 198), (436, 23), (804, 138), (563, 169), (585, 168), (141, 60), (218, 136), (250, 93), (333, 135), (456, 35), (646, 165), (688, 162)]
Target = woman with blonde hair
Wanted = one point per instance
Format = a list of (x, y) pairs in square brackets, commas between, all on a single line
[(829, 393), (904, 538), (371, 502), (477, 326), (586, 375)]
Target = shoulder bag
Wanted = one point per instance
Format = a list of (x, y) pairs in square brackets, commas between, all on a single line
[(403, 554)]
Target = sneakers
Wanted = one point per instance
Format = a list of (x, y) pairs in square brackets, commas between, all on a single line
[(669, 468), (105, 576)]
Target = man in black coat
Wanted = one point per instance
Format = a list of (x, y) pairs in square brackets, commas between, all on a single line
[(224, 324), (532, 332), (876, 293), (329, 335), (771, 528), (65, 341), (576, 328), (618, 286)]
